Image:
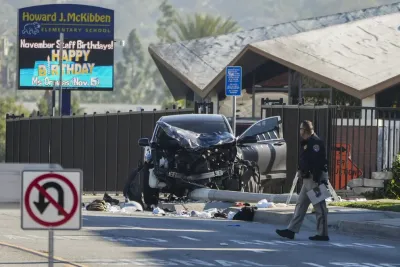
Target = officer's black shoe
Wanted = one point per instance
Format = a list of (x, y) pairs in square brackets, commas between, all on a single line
[(319, 238), (286, 233)]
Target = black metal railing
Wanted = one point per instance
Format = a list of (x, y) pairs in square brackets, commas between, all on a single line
[(359, 140), (104, 146)]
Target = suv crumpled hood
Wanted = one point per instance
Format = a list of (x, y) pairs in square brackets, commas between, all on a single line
[(195, 141)]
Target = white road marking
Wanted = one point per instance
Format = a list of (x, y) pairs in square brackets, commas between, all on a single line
[(131, 227), (306, 243), (189, 238), (133, 239), (272, 243), (179, 262)]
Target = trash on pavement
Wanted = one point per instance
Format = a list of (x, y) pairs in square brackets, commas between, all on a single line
[(97, 205), (231, 214), (158, 211), (132, 205), (220, 214), (182, 213), (200, 214), (263, 204), (206, 214), (245, 214), (114, 209), (110, 200)]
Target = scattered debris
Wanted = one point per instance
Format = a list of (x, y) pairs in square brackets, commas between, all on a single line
[(263, 204), (98, 205), (131, 206), (114, 209), (245, 214), (220, 214), (231, 214), (110, 200), (158, 211)]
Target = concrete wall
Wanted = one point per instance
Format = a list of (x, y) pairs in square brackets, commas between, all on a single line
[(10, 179)]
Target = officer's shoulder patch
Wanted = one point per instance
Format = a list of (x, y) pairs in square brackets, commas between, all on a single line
[(316, 148)]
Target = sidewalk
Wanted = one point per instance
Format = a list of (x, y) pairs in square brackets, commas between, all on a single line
[(348, 220), (387, 228)]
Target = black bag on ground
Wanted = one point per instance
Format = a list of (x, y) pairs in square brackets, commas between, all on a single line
[(245, 214)]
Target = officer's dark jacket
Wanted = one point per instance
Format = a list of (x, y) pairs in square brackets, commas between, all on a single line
[(312, 157)]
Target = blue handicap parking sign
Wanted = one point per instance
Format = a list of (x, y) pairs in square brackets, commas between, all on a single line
[(233, 81)]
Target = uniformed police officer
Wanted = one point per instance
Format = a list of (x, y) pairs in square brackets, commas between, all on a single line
[(313, 171)]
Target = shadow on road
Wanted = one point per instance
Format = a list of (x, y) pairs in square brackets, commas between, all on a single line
[(196, 242)]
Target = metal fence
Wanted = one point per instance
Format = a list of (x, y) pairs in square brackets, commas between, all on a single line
[(359, 140), (104, 146)]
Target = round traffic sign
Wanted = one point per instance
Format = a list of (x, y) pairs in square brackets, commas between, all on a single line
[(35, 184)]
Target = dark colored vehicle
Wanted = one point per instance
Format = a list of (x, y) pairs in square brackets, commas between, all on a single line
[(199, 150)]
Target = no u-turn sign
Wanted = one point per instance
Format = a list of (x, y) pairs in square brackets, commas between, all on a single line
[(51, 200)]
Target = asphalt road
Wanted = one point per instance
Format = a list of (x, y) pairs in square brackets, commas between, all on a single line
[(148, 240)]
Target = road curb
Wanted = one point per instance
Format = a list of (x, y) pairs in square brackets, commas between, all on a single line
[(370, 229)]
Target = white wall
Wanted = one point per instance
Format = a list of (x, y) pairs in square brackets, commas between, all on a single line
[(368, 102), (10, 179)]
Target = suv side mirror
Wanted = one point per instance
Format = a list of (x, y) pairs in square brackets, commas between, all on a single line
[(144, 142), (248, 140)]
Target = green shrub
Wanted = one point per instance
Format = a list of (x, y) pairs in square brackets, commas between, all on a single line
[(392, 187)]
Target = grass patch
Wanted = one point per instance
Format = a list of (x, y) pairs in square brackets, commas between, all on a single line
[(383, 205)]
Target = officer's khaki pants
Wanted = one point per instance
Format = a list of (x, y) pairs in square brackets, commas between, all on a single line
[(303, 202)]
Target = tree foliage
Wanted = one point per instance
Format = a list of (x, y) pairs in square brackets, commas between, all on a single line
[(44, 107), (392, 187), (173, 27), (197, 26)]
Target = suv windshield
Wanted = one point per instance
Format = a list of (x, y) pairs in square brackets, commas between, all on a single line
[(198, 126)]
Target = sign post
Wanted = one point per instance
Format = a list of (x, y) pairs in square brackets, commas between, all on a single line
[(56, 209), (233, 87), (60, 57)]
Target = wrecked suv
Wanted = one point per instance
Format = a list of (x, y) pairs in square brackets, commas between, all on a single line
[(193, 151)]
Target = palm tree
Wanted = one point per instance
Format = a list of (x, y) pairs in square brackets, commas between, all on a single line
[(173, 27), (199, 26)]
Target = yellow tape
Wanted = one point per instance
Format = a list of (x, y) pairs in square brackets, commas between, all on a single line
[(42, 254)]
